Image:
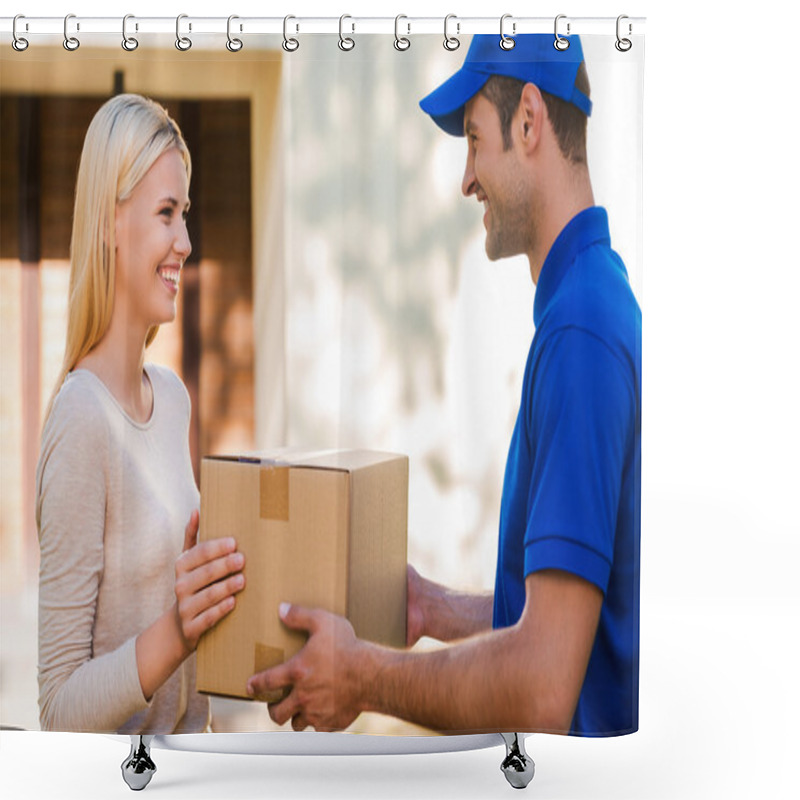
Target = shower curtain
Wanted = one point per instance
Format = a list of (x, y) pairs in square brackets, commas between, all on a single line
[(339, 295)]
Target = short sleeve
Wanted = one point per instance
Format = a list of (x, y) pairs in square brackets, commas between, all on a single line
[(581, 418)]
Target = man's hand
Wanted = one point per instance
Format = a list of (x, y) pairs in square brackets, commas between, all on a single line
[(415, 616), (325, 677), (526, 677)]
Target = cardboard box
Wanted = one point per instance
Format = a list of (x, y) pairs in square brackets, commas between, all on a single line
[(325, 530)]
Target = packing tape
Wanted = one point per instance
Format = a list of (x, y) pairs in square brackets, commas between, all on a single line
[(274, 490)]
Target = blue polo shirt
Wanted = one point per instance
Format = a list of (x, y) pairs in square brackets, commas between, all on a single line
[(572, 489)]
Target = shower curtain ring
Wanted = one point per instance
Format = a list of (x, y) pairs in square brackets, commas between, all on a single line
[(560, 42), (451, 42), (70, 42), (18, 42), (506, 42), (290, 44), (345, 42), (623, 45), (129, 43), (233, 45), (401, 42), (183, 43)]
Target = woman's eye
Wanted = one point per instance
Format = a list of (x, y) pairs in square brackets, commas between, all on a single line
[(166, 212)]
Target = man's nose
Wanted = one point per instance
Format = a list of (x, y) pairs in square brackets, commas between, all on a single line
[(468, 182)]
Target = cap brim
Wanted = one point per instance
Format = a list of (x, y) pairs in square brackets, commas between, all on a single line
[(446, 104)]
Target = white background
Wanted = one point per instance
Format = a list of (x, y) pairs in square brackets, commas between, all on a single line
[(721, 448)]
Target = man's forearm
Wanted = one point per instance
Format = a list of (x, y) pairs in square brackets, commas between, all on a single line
[(523, 678), (451, 615), (469, 687)]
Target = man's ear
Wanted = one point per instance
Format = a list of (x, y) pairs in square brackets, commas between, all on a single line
[(531, 113)]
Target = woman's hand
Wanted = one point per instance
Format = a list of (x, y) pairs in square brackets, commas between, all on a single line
[(207, 577)]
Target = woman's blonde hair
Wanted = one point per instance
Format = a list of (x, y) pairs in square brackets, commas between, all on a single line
[(125, 138)]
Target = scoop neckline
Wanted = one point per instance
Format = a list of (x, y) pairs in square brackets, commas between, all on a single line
[(128, 418)]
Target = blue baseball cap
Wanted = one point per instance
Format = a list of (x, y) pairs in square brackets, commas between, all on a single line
[(533, 59)]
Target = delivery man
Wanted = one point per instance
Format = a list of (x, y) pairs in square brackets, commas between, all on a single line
[(555, 647)]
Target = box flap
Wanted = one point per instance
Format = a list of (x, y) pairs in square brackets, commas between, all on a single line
[(340, 460)]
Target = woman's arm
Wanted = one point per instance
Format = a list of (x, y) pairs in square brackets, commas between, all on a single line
[(80, 690), (207, 578)]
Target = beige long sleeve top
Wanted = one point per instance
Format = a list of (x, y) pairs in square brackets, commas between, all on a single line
[(113, 499)]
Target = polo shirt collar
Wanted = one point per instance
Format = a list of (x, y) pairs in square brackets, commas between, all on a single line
[(586, 228)]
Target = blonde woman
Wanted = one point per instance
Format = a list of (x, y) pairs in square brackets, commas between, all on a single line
[(125, 591)]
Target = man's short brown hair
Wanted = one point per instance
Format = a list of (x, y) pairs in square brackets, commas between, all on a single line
[(568, 121)]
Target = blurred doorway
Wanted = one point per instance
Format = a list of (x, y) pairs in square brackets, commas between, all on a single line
[(223, 110)]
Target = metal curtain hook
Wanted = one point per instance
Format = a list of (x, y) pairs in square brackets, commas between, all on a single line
[(560, 42), (234, 45), (183, 43), (70, 42), (345, 42), (451, 42), (623, 45), (290, 44), (18, 42), (129, 43), (506, 42), (401, 42)]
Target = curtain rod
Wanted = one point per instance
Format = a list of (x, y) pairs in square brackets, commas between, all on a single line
[(299, 25)]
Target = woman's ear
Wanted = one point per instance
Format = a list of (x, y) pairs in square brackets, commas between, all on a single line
[(117, 221)]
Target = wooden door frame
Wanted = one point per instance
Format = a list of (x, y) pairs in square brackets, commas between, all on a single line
[(198, 74), (253, 74)]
